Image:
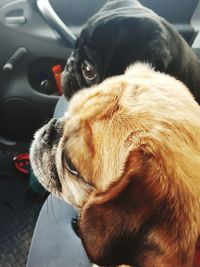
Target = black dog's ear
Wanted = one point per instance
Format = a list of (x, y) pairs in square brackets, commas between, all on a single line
[(135, 39), (159, 52)]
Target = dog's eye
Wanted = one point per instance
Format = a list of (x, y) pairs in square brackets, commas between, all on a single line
[(88, 71), (70, 167)]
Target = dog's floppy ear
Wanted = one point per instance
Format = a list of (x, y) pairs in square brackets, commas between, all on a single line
[(136, 39), (104, 222), (133, 222)]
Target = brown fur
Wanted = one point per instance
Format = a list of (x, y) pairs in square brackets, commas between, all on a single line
[(135, 140)]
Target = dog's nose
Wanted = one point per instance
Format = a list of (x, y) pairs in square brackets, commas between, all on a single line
[(50, 131)]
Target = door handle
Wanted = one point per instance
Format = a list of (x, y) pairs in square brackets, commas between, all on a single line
[(13, 13), (15, 20)]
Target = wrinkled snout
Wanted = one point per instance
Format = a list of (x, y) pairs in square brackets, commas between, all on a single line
[(52, 131)]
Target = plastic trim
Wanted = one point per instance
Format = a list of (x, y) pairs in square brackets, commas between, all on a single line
[(58, 25)]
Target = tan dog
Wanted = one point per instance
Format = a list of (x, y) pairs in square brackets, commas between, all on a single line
[(127, 154)]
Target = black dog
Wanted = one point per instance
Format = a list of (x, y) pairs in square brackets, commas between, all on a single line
[(123, 32)]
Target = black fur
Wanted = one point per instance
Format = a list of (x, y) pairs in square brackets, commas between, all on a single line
[(123, 32)]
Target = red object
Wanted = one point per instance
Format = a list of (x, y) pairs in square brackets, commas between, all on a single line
[(57, 70), (22, 162)]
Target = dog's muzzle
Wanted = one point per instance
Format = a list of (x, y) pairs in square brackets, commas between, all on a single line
[(51, 132), (70, 78), (43, 155), (70, 64)]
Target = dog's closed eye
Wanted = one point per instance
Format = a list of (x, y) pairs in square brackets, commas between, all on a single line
[(70, 166)]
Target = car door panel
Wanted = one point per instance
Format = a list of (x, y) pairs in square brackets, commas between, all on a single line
[(27, 104)]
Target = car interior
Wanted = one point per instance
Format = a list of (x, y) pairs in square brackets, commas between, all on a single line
[(37, 38)]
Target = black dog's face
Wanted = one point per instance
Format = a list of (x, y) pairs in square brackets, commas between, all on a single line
[(121, 33), (82, 70)]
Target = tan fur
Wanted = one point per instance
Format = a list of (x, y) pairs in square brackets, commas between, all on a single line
[(135, 139)]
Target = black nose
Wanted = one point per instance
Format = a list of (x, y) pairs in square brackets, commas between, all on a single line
[(50, 131)]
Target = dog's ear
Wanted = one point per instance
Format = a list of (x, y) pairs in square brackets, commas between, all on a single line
[(133, 222), (114, 225), (99, 226), (136, 39)]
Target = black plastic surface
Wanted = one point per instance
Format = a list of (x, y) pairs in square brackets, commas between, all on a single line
[(19, 116), (22, 109), (40, 69)]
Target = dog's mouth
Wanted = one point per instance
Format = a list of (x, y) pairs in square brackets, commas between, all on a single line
[(53, 167), (43, 155)]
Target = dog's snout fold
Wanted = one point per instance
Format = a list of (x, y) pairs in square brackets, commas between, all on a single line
[(50, 131), (70, 63)]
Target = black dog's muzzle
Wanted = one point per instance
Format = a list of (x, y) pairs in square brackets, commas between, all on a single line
[(70, 63)]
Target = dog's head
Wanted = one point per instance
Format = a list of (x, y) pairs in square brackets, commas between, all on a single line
[(121, 33), (127, 155)]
